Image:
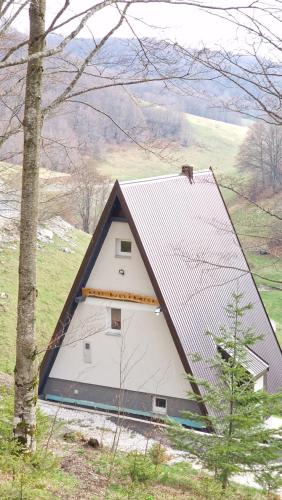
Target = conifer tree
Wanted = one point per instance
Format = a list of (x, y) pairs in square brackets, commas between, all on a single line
[(240, 440)]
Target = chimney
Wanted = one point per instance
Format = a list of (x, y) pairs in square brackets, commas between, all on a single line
[(188, 171)]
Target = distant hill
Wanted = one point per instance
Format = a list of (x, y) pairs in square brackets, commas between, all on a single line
[(213, 143), (94, 123), (202, 95)]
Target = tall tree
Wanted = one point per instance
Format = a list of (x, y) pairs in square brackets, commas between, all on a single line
[(90, 190), (237, 412), (261, 155), (26, 370)]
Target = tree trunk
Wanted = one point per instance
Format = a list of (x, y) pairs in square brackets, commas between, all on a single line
[(26, 369)]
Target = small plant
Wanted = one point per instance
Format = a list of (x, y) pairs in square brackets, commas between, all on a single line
[(22, 475), (74, 437), (158, 454), (139, 467), (270, 479)]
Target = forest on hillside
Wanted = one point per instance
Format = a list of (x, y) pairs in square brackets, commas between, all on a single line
[(104, 113), (149, 113)]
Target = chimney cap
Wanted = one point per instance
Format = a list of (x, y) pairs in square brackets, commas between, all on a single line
[(188, 171), (187, 168)]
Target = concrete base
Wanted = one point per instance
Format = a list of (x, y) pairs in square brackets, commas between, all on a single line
[(120, 398)]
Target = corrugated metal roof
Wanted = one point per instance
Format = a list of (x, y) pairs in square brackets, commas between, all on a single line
[(198, 264), (251, 362)]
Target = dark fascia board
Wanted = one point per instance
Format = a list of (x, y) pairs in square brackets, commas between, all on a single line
[(70, 304), (246, 260), (82, 276)]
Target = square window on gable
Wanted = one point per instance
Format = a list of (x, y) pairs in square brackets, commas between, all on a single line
[(123, 248)]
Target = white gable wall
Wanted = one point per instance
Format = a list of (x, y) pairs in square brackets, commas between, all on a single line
[(143, 357), (105, 273)]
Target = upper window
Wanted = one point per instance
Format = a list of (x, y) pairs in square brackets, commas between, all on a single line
[(115, 319), (123, 248)]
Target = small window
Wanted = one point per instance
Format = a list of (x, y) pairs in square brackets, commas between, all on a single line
[(115, 319), (123, 248), (160, 405), (87, 352)]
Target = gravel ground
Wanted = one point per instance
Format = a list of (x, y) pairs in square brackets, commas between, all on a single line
[(131, 434)]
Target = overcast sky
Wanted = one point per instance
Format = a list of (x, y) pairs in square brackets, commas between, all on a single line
[(188, 25)]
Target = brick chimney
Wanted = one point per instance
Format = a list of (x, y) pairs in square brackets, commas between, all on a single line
[(188, 171)]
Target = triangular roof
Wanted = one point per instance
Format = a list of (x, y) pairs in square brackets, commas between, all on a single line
[(195, 263)]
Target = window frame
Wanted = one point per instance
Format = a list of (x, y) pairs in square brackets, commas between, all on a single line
[(114, 331), (87, 355), (119, 252), (159, 409)]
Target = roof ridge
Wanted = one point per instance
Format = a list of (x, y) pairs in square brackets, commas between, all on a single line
[(161, 177)]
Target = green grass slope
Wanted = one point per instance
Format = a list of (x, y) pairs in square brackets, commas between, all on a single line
[(56, 271), (254, 228), (213, 144)]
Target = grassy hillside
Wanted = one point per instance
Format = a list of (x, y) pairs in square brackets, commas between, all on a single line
[(214, 144), (56, 271), (65, 467), (255, 228)]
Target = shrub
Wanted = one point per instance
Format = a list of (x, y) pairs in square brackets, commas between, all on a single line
[(74, 437), (139, 467), (22, 475), (158, 454), (270, 479)]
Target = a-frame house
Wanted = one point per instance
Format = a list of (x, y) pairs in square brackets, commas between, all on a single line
[(161, 267)]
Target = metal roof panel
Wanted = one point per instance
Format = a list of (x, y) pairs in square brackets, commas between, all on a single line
[(197, 261)]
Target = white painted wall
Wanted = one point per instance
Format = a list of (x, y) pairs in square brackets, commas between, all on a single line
[(143, 357), (105, 273), (259, 384)]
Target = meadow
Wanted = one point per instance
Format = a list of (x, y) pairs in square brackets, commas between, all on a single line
[(213, 143)]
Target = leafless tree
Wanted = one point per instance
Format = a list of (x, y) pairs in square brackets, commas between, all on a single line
[(254, 70), (90, 191), (26, 370), (261, 155)]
